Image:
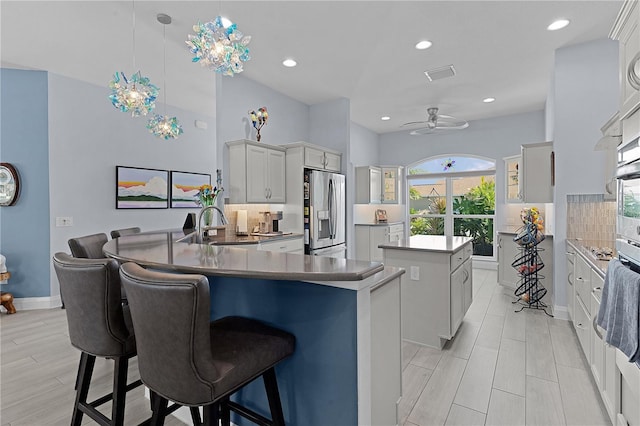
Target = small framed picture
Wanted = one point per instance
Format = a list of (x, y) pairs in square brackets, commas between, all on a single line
[(185, 187), (140, 188)]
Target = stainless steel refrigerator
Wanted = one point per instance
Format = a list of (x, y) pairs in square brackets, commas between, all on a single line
[(324, 214)]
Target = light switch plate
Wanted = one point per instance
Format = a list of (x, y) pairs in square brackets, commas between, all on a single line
[(415, 273), (64, 221)]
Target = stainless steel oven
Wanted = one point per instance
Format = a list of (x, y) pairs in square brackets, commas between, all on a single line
[(628, 174)]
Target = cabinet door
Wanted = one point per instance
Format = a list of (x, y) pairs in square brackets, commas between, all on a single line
[(629, 48), (467, 286), (332, 162), (536, 173), (377, 235), (391, 184), (571, 258), (375, 185), (507, 251), (257, 164), (583, 328), (513, 194), (597, 347), (611, 383), (314, 158), (457, 299), (583, 283), (276, 176)]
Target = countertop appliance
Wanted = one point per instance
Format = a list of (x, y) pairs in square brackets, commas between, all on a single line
[(324, 214)]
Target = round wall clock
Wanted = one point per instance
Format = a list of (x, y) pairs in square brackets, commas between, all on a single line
[(9, 184)]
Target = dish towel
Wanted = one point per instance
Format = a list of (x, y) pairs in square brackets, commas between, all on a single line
[(619, 312)]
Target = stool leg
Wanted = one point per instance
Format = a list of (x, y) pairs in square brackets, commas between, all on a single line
[(159, 410), (195, 416), (6, 299), (86, 369), (271, 386), (119, 390), (225, 412), (211, 414)]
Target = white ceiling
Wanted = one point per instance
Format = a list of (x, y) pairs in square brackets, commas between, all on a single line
[(360, 50)]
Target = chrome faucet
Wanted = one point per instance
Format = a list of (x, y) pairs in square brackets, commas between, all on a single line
[(223, 219)]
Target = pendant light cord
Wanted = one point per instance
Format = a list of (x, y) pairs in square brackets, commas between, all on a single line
[(164, 65), (133, 15)]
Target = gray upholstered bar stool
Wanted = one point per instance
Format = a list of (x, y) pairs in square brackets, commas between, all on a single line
[(186, 358), (98, 327), (89, 246), (126, 231)]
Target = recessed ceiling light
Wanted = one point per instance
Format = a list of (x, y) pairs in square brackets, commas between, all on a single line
[(488, 100), (385, 118), (558, 24), (424, 44), (289, 63)]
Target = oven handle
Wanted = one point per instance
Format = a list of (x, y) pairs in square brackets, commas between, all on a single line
[(629, 171)]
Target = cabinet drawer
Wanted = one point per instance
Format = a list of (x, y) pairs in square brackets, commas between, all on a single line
[(582, 282), (394, 229), (282, 246), (583, 328), (460, 256)]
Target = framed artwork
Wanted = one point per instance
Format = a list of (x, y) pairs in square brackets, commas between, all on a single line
[(185, 187), (139, 188)]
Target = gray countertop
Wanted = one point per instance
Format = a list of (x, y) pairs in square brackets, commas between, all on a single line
[(514, 231), (232, 239), (379, 224), (582, 248), (162, 250), (433, 243)]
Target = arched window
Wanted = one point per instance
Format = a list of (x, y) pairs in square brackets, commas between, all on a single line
[(454, 195)]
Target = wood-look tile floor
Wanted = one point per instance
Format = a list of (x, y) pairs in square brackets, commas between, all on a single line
[(502, 368)]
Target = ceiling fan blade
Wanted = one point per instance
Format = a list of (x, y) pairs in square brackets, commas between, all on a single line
[(413, 123)]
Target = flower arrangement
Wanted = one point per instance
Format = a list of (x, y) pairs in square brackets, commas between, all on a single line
[(259, 119), (207, 195)]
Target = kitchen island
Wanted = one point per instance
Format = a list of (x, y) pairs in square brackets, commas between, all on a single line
[(345, 314), (439, 289)]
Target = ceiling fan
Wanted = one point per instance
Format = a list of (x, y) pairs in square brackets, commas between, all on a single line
[(437, 122)]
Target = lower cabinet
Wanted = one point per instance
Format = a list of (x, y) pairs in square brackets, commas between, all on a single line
[(369, 237), (597, 344), (290, 245), (437, 291), (570, 283)]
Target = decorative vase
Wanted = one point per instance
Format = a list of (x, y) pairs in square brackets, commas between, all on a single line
[(207, 218)]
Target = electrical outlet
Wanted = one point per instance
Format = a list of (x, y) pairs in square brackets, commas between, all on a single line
[(415, 273), (64, 221)]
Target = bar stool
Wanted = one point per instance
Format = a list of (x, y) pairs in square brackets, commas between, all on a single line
[(185, 358), (89, 246), (126, 231), (98, 327)]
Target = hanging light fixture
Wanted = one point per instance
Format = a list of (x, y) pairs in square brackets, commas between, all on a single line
[(163, 126), (219, 45), (135, 94)]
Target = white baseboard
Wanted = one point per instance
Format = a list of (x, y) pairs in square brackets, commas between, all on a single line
[(485, 264), (560, 312), (31, 303)]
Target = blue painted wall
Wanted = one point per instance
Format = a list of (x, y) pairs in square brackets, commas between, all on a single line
[(24, 142), (318, 383)]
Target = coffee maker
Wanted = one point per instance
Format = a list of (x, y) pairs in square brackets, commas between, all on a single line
[(276, 217), (269, 222)]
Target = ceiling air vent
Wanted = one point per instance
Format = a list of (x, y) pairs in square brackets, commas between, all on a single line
[(440, 73)]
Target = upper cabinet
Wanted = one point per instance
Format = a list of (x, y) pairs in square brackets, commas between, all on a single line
[(611, 138), (392, 184), (536, 172), (318, 158), (627, 32), (379, 185), (512, 184), (256, 173), (368, 185)]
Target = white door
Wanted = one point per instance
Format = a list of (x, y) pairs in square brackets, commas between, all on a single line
[(457, 299), (332, 162), (257, 163), (276, 176), (375, 185)]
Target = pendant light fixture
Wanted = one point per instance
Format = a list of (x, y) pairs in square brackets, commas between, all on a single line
[(135, 94), (163, 126), (220, 46)]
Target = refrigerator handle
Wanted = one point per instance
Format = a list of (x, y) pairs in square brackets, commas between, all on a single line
[(331, 208)]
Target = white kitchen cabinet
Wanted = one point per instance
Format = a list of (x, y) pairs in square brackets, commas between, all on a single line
[(507, 252), (288, 245), (379, 184), (392, 184), (437, 292), (570, 284), (597, 344), (369, 237), (583, 284), (626, 31), (256, 173), (368, 185), (512, 186), (582, 326), (608, 144), (322, 159), (536, 171)]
